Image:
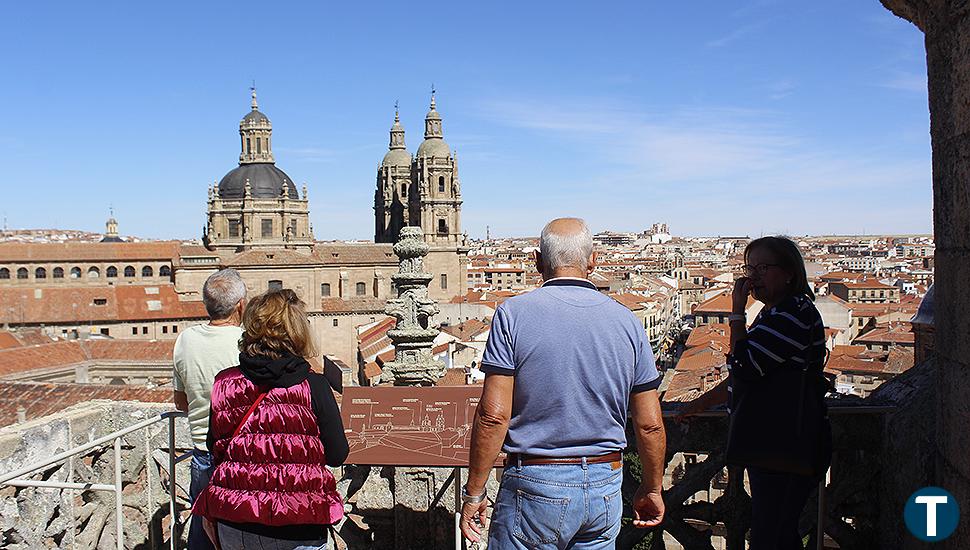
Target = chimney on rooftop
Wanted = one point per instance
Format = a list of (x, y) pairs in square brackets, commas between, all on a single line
[(21, 414)]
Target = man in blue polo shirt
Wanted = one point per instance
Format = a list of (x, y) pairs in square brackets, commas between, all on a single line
[(562, 364)]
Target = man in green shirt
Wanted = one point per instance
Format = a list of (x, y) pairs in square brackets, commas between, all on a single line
[(200, 353)]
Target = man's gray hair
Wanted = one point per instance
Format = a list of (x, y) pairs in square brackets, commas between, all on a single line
[(571, 250), (222, 291)]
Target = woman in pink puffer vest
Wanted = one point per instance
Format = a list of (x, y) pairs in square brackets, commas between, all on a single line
[(274, 426)]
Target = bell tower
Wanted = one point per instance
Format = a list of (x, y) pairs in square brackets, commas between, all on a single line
[(436, 207)]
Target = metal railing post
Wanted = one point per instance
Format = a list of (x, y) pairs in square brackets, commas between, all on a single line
[(171, 482), (119, 513), (457, 508)]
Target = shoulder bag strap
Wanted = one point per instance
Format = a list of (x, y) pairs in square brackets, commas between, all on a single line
[(248, 414)]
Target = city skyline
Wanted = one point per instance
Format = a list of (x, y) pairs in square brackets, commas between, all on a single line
[(767, 117)]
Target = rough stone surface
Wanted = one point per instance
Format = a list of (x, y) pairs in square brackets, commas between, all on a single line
[(55, 518), (946, 26), (415, 331)]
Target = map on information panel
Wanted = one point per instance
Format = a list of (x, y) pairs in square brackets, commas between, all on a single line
[(409, 426)]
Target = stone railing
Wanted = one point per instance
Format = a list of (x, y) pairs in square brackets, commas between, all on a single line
[(883, 452), (75, 505), (881, 448)]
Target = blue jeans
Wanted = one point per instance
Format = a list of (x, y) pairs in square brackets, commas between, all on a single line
[(231, 538), (202, 469), (576, 506)]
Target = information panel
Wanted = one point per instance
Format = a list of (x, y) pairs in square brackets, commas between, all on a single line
[(409, 426)]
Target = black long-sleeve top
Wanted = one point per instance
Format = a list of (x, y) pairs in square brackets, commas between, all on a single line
[(788, 335)]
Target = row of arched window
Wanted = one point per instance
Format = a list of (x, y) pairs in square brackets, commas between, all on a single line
[(92, 272)]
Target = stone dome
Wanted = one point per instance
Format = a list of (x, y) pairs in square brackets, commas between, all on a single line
[(265, 181), (434, 147), (397, 157), (255, 117)]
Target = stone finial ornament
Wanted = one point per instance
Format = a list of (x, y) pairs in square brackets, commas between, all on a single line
[(414, 334)]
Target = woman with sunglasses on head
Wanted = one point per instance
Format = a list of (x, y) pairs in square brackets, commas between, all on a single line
[(274, 427), (778, 426)]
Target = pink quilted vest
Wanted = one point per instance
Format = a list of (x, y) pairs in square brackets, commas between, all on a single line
[(274, 472)]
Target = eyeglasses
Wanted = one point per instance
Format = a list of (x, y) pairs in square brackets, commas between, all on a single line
[(760, 269)]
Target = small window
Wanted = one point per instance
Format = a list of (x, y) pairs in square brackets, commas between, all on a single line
[(40, 273), (22, 273), (100, 301), (275, 285), (94, 273), (334, 322), (233, 228), (58, 272), (361, 289), (404, 189), (444, 281), (129, 271), (144, 330), (259, 146), (165, 271), (442, 226), (441, 184), (267, 228), (325, 289), (164, 329), (4, 273), (293, 228), (105, 332), (249, 148), (75, 272), (147, 271), (134, 331), (111, 272), (175, 329)]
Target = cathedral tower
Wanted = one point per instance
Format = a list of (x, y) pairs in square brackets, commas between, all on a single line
[(436, 206), (256, 205), (393, 187)]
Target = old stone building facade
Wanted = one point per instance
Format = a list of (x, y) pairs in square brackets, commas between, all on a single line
[(423, 190), (257, 223)]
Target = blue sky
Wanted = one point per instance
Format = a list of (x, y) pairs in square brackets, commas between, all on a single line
[(715, 117)]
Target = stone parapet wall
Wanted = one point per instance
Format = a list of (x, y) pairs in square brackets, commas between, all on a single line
[(64, 518)]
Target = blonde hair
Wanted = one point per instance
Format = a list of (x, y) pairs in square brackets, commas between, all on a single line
[(275, 324)]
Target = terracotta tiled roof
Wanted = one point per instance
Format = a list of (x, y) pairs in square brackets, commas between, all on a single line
[(377, 331), (53, 305), (355, 254), (722, 303), (352, 305), (899, 333), (467, 330), (702, 359), (7, 340), (840, 276), (633, 302), (73, 352), (40, 400), (704, 334), (88, 252), (271, 258), (868, 284)]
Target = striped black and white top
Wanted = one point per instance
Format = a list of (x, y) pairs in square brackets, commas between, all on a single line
[(789, 335)]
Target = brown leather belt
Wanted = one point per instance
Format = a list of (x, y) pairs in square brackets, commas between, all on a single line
[(530, 460)]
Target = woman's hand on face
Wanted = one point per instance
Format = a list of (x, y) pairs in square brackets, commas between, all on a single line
[(742, 288)]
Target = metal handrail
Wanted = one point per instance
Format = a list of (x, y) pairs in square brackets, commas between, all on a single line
[(11, 478)]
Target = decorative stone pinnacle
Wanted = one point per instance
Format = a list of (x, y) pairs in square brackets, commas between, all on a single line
[(413, 335)]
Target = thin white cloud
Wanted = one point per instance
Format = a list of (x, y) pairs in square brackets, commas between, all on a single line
[(732, 36), (703, 163), (907, 82)]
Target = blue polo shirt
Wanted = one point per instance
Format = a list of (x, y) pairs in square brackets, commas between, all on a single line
[(576, 355)]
